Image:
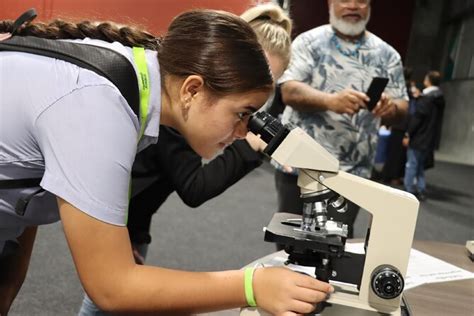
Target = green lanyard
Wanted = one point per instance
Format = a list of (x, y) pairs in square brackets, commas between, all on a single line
[(144, 91), (143, 86)]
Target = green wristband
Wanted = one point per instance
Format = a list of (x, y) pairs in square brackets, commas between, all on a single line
[(248, 285)]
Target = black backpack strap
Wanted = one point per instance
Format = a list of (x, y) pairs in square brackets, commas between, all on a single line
[(22, 202), (101, 60), (20, 183)]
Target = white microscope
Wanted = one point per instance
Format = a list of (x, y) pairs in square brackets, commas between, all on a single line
[(367, 284)]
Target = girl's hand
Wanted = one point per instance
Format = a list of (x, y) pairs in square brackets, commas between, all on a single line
[(255, 142), (281, 291)]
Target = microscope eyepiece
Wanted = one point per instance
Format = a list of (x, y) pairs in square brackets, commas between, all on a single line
[(264, 124), (270, 129)]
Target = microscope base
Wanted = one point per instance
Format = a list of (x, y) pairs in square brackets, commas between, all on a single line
[(337, 310)]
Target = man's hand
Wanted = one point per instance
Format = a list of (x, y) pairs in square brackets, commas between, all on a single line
[(386, 108), (347, 101)]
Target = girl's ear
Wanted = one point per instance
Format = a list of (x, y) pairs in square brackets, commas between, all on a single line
[(190, 87)]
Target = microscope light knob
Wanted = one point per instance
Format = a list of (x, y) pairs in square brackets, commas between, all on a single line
[(387, 282)]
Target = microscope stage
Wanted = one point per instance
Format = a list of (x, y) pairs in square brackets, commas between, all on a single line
[(284, 229)]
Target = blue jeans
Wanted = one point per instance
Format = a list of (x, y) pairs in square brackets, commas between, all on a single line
[(88, 308), (415, 171)]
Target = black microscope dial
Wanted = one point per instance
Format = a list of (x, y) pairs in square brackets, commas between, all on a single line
[(387, 282)]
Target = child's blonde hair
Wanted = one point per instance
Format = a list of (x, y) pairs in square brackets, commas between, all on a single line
[(273, 29)]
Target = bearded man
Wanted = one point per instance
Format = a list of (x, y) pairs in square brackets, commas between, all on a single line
[(331, 68)]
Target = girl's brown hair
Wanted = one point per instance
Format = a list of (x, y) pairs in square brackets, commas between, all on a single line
[(216, 45)]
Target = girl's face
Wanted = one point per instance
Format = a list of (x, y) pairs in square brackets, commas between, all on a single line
[(213, 122)]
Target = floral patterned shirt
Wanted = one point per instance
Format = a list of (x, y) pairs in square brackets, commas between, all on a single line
[(318, 61)]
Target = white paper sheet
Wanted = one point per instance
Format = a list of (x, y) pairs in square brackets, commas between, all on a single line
[(423, 268)]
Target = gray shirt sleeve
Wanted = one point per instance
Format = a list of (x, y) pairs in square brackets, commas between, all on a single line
[(88, 149)]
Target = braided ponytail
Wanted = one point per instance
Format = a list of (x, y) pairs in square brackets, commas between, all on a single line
[(218, 46), (106, 31)]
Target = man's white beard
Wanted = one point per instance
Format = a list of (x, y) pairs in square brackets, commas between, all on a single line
[(347, 28)]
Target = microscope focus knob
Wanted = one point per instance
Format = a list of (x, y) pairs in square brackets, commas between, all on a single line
[(387, 282)]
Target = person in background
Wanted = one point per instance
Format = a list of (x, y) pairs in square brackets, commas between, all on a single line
[(423, 134), (331, 68), (73, 129)]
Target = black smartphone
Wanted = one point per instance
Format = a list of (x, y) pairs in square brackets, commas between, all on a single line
[(377, 86)]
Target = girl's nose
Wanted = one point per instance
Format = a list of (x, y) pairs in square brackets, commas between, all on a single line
[(241, 129)]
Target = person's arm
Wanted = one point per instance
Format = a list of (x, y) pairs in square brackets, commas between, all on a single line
[(296, 87), (195, 182), (103, 257), (13, 269), (303, 97), (161, 172)]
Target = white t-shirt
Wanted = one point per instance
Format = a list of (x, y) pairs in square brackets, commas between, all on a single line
[(74, 129)]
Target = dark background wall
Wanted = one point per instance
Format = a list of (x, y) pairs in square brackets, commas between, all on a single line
[(155, 15), (442, 38), (391, 20)]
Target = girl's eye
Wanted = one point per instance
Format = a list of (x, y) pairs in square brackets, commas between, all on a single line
[(243, 115)]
